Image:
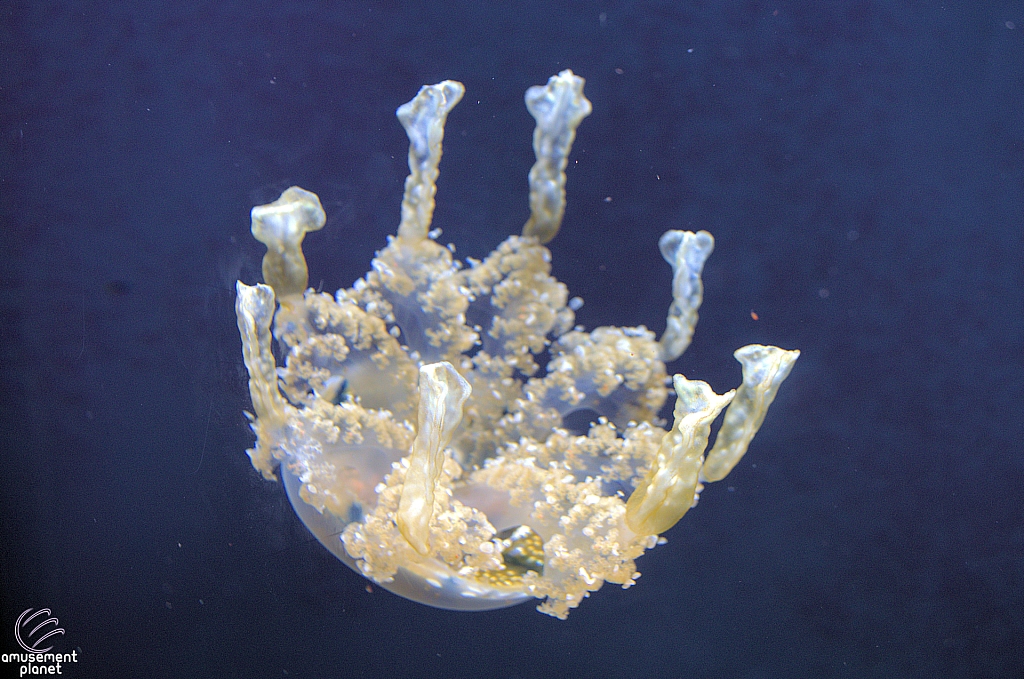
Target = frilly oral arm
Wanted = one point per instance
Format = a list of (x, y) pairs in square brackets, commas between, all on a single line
[(764, 369), (423, 119), (686, 251), (559, 108), (443, 391), (254, 307), (281, 226), (666, 492)]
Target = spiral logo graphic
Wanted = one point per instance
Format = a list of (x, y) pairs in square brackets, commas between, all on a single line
[(42, 628)]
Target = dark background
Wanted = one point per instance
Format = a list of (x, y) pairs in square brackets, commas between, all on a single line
[(859, 162)]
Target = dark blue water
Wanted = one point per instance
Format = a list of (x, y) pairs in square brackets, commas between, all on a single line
[(859, 162)]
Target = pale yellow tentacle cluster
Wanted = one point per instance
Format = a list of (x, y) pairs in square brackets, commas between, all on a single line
[(420, 438)]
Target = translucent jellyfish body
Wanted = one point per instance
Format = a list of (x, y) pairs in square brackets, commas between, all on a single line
[(413, 429)]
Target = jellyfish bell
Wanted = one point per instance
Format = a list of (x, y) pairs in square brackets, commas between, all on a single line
[(429, 582), (431, 453)]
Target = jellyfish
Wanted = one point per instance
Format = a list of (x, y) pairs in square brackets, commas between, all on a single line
[(414, 430)]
